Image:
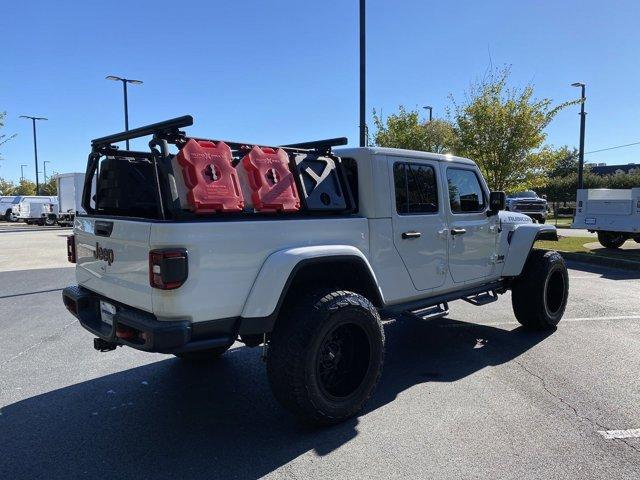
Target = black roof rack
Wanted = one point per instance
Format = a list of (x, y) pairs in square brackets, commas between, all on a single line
[(169, 129), (168, 126)]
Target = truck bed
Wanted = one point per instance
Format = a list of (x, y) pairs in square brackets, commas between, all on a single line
[(224, 259)]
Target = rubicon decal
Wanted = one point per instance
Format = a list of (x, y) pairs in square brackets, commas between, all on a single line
[(105, 254)]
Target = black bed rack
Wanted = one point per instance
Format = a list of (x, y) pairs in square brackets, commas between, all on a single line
[(169, 131)]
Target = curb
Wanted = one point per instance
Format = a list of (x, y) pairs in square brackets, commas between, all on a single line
[(602, 261)]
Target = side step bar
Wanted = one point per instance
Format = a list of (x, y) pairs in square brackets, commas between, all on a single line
[(482, 298), (417, 305), (429, 313)]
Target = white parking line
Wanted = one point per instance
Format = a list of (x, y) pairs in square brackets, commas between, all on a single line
[(613, 434), (564, 320), (584, 319)]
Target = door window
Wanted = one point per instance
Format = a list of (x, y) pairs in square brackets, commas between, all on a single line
[(465, 193), (416, 188)]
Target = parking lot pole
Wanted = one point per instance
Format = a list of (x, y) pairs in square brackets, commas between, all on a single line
[(126, 99), (363, 53), (582, 125), (35, 147)]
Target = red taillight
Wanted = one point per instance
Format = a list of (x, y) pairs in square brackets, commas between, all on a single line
[(71, 248), (168, 268)]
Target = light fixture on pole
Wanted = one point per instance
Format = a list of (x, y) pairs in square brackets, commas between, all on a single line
[(35, 146), (583, 116), (125, 81), (430, 108)]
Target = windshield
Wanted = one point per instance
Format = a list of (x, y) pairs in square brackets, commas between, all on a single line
[(16, 200), (525, 194)]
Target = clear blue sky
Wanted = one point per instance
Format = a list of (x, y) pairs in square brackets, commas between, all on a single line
[(286, 71)]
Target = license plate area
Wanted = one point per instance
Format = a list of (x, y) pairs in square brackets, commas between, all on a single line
[(107, 312)]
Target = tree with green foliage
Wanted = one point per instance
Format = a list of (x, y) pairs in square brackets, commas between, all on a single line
[(50, 187), (566, 162), (6, 187), (405, 129), (25, 187), (503, 130)]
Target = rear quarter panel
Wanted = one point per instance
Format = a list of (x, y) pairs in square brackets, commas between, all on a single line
[(225, 258)]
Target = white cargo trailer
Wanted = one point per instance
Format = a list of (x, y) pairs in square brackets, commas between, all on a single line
[(70, 187), (613, 213)]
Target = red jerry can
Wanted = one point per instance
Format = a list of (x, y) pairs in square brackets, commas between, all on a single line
[(272, 184), (212, 182)]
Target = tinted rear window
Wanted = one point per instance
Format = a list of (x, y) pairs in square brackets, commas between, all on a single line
[(126, 187), (416, 188)]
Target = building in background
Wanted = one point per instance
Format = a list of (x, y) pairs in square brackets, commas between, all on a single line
[(604, 169)]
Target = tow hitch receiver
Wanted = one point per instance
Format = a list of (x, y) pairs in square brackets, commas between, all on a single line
[(103, 346)]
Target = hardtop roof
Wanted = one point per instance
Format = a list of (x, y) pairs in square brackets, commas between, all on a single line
[(400, 152)]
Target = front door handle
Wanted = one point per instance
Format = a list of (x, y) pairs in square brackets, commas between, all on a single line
[(458, 231), (406, 235)]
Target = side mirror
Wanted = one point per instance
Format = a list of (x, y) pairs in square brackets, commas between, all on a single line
[(497, 202)]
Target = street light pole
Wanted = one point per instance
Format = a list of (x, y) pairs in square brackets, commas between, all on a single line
[(45, 169), (125, 81), (430, 108), (22, 171), (363, 62), (583, 116), (35, 147)]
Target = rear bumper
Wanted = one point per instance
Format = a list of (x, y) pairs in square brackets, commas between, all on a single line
[(142, 330)]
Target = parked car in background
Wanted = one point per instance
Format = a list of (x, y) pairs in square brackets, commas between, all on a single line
[(9, 208), (70, 187), (613, 213), (529, 203), (36, 209)]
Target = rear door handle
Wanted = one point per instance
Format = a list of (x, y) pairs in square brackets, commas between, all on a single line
[(458, 231), (406, 235)]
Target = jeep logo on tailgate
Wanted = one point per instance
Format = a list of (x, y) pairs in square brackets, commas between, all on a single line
[(105, 254)]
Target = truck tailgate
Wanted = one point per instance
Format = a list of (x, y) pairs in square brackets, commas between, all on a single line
[(113, 259)]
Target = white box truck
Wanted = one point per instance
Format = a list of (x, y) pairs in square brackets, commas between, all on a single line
[(70, 187), (613, 213)]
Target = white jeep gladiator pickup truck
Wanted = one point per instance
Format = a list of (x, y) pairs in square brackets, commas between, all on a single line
[(196, 244)]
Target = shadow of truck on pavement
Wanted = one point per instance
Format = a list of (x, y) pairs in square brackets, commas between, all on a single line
[(170, 419)]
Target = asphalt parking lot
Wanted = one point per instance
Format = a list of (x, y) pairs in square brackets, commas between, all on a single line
[(468, 396)]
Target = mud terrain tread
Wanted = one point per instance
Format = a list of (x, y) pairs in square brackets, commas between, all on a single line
[(528, 290), (290, 341)]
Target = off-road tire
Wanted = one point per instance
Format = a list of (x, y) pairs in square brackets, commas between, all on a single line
[(325, 356), (207, 355), (539, 295), (611, 240)]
